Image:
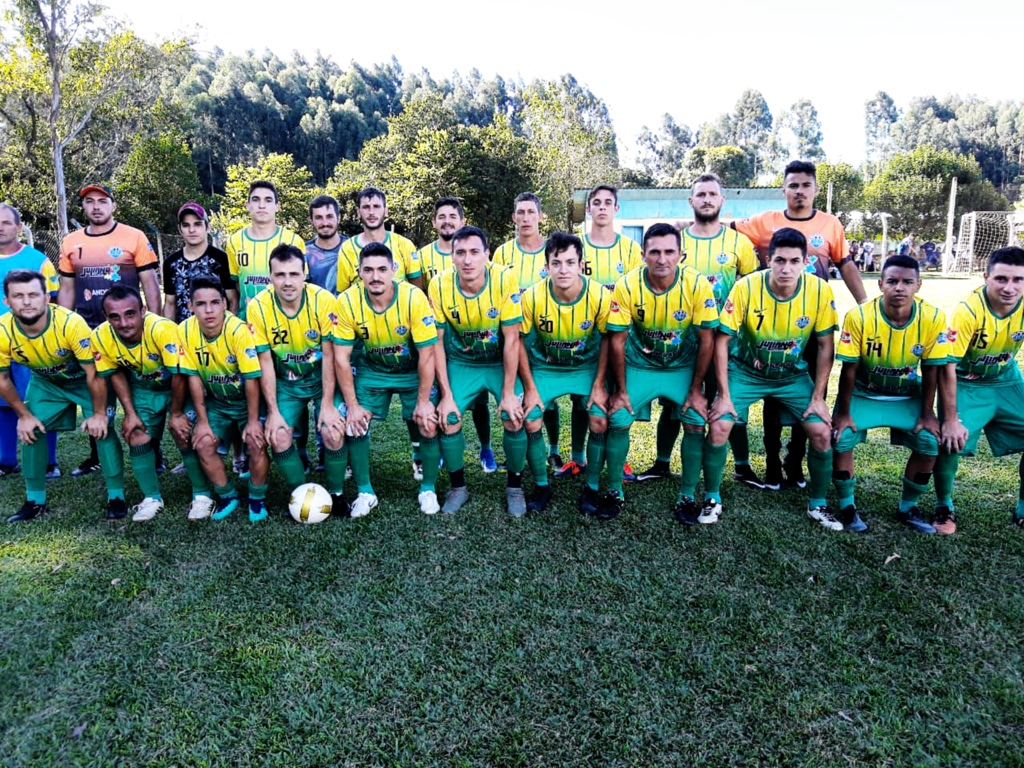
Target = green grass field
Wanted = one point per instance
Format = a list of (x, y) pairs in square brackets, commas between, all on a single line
[(401, 639)]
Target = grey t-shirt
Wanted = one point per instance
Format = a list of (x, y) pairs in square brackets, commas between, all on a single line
[(323, 265)]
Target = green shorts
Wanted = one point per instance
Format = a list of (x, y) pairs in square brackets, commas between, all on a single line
[(553, 383), (152, 407), (898, 415), (225, 415), (56, 405), (995, 409), (645, 386), (793, 394), (468, 381), (374, 392)]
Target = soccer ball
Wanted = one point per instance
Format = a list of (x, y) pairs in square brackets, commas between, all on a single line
[(310, 503)]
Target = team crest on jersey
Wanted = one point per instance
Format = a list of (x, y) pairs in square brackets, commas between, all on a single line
[(115, 252), (515, 298), (428, 320), (942, 339), (231, 359), (722, 258), (816, 241), (845, 338), (586, 325), (84, 344), (679, 315), (312, 335), (493, 312), (250, 352), (544, 272), (709, 303), (1016, 336), (832, 303), (917, 350), (803, 321), (171, 348), (401, 330), (619, 268), (152, 356), (64, 352)]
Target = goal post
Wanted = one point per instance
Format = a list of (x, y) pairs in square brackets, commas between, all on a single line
[(982, 232)]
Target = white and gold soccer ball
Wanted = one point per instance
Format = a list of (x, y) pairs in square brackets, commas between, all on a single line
[(310, 503)]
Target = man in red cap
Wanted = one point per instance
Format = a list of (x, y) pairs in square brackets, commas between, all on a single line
[(198, 257), (93, 259)]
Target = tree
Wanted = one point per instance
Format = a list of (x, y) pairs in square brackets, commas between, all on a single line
[(847, 189), (879, 115), (662, 154), (294, 189), (802, 120), (731, 164), (67, 63), (914, 187)]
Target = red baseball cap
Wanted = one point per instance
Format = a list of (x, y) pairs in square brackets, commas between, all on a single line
[(192, 207), (101, 188)]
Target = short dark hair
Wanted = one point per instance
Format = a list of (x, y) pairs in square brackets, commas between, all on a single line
[(199, 282), (559, 242), (263, 184), (286, 252), (901, 260), (322, 201), (524, 197), (453, 202), (13, 210), (368, 194), (801, 166), (24, 276), (467, 232), (607, 188), (707, 178), (660, 230), (1011, 256), (120, 293), (787, 237), (375, 249)]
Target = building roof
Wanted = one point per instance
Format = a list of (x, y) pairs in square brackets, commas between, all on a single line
[(671, 204)]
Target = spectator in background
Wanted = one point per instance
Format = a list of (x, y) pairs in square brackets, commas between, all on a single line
[(15, 255), (198, 257), (857, 255), (868, 252), (907, 247)]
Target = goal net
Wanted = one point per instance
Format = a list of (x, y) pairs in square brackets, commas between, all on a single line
[(982, 232)]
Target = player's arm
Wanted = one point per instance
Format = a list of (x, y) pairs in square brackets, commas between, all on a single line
[(202, 432), (841, 419), (180, 427), (123, 392), (617, 358), (695, 398), (851, 276), (66, 292), (954, 433), (96, 425), (170, 309), (29, 427), (599, 389), (253, 434), (929, 387), (358, 420), (330, 416), (425, 414), (150, 289), (723, 402), (446, 406), (510, 404), (826, 357), (531, 397)]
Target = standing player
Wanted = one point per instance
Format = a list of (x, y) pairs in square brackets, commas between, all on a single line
[(292, 324), (892, 350), (392, 322), (372, 209), (662, 323), (722, 255), (53, 343), (219, 357), (826, 245), (435, 258), (478, 318), (137, 353), (102, 254), (197, 257), (322, 250), (564, 351), (14, 255), (773, 316), (985, 336)]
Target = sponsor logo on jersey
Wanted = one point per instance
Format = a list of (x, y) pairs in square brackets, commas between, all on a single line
[(428, 320), (115, 274), (84, 344), (1002, 357), (171, 348), (803, 321), (401, 330), (952, 333), (832, 303), (729, 306), (65, 352), (917, 350), (493, 311), (515, 298), (709, 303), (942, 338), (845, 338), (713, 279), (153, 356), (816, 241), (783, 345), (250, 352)]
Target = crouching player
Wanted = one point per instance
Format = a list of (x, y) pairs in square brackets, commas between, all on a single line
[(218, 355), (774, 315), (892, 349), (563, 351), (984, 337)]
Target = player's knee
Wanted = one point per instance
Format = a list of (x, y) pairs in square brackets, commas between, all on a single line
[(429, 430), (841, 475), (598, 425), (137, 438), (694, 429), (719, 432), (332, 440), (533, 426)]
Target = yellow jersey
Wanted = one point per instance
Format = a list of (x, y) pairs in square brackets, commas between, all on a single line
[(607, 263), (391, 339), (249, 261), (721, 259), (662, 326), (773, 333), (433, 261), (984, 345), (889, 357), (295, 342), (564, 335), (403, 251), (224, 362), (472, 323), (151, 363), (528, 267), (57, 353)]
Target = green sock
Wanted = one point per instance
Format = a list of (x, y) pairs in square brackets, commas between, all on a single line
[(431, 450), (194, 470), (714, 465), (414, 439), (595, 458), (334, 467), (819, 469), (144, 465), (515, 449), (666, 434), (617, 447), (359, 458), (290, 464), (453, 448), (552, 425), (844, 490), (946, 466), (112, 463), (226, 491), (739, 442), (33, 467), (911, 494), (692, 457), (1020, 486), (579, 427), (535, 457), (257, 492)]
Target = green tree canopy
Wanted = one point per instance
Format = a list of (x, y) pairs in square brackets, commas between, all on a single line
[(294, 188)]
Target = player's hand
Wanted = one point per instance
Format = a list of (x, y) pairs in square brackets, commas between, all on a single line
[(722, 407), (96, 425), (275, 423), (331, 420), (928, 423), (254, 436), (840, 423), (203, 434), (620, 400), (532, 400), (131, 423), (511, 411), (954, 435), (29, 429), (696, 400), (818, 407), (425, 416), (445, 408), (598, 397), (358, 422), (181, 428)]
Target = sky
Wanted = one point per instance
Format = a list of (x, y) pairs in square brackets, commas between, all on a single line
[(646, 58)]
